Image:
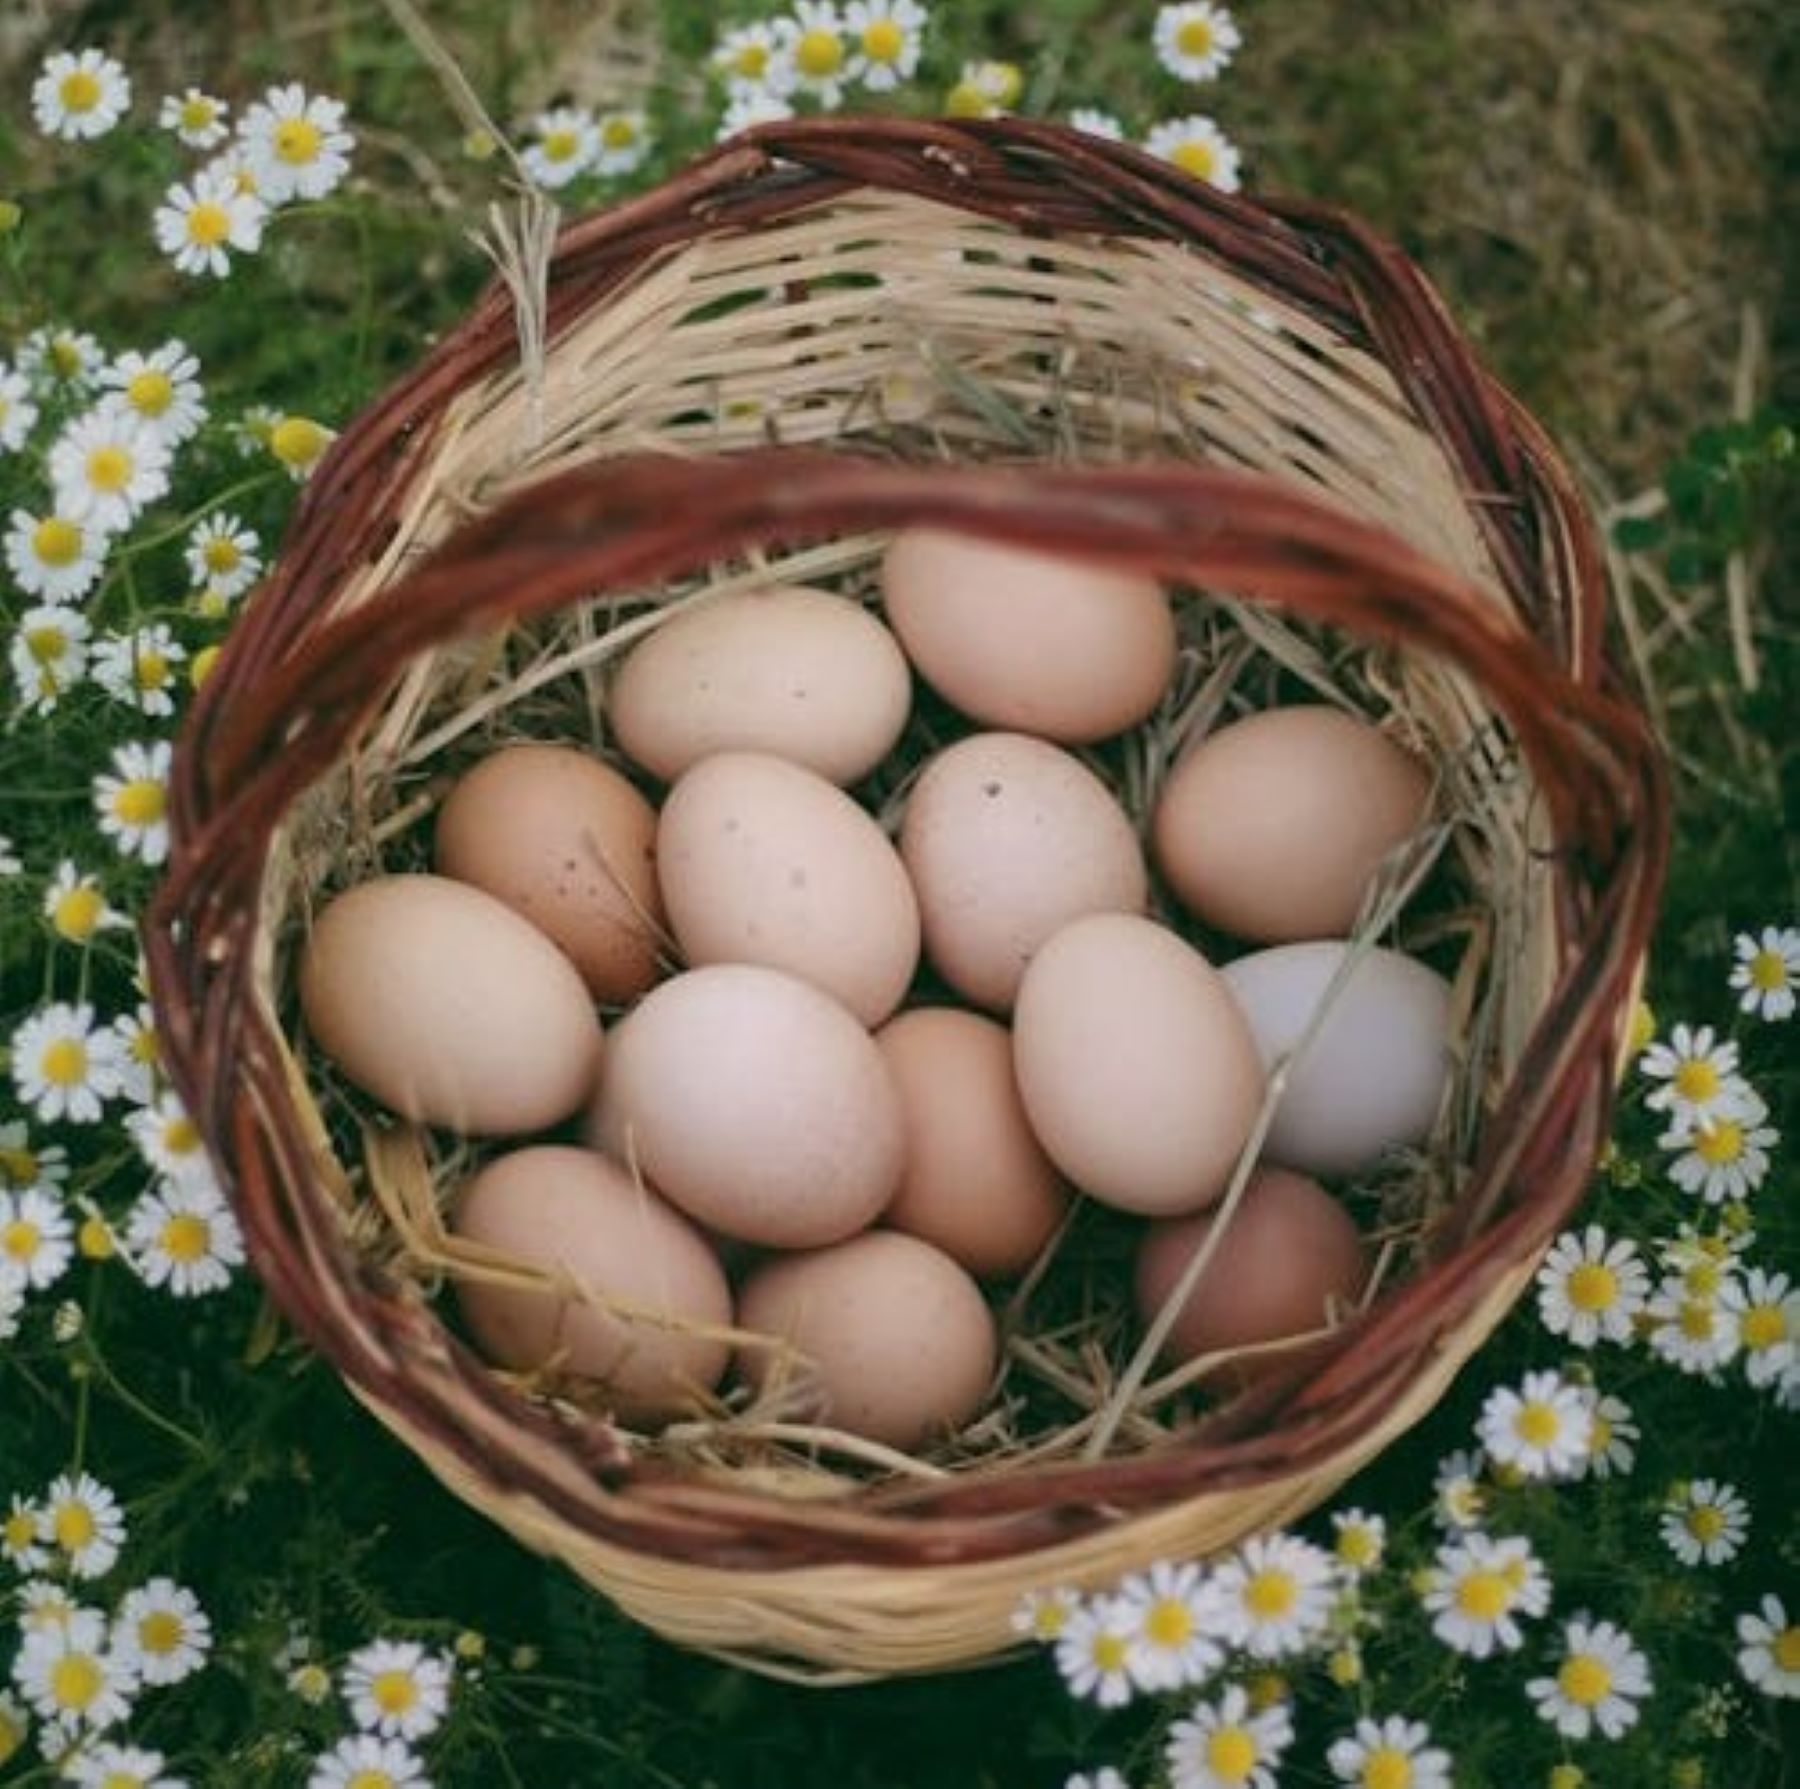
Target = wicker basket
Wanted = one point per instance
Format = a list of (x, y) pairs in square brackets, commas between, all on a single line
[(817, 333)]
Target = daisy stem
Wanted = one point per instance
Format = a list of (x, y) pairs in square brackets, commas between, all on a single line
[(130, 1399)]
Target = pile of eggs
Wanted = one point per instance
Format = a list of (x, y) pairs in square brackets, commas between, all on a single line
[(856, 1072)]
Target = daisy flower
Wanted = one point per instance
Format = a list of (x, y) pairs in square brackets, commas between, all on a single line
[(748, 58), (753, 106), (1273, 1595), (1479, 1589), (81, 95), (366, 1761), (1094, 1652), (1767, 971), (161, 389), (624, 142), (58, 356), (1458, 1501), (43, 1606), (299, 443), (1043, 1614), (140, 1054), (1095, 123), (887, 36), (76, 906), (196, 118), (71, 1673), (1726, 1158), (397, 1688), (48, 655), (568, 144), (18, 413), (1391, 1754), (56, 557), (1195, 40), (169, 1140), (132, 801), (814, 51), (1591, 1288), (139, 669), (1613, 1433), (311, 1682), (27, 1169), (1693, 1330), (118, 1767), (1599, 1684), (296, 144), (1769, 1650), (184, 1237), (1697, 1079), (1358, 1541), (1704, 1523), (1224, 1745), (1541, 1430), (1767, 1308), (61, 1066), (169, 1629), (1173, 1611), (82, 1519), (1197, 146), (22, 1527), (200, 222)]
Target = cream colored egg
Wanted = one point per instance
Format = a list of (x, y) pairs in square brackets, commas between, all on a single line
[(448, 1007), (764, 862), (630, 1289), (1041, 643), (1273, 827), (1007, 840), (977, 1183), (801, 673), (1375, 1073), (755, 1103), (568, 844), (893, 1340), (1135, 1066)]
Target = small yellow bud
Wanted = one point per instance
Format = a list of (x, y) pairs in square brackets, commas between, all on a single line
[(202, 667), (298, 442), (1266, 1689), (11, 216), (1345, 1667), (471, 1645), (95, 1239)]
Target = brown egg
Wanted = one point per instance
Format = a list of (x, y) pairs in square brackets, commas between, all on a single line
[(765, 862), (1289, 1261), (897, 1342), (575, 1215), (1272, 827), (448, 1007), (977, 1184), (1136, 1068), (755, 1103), (569, 844), (1007, 839), (1042, 643)]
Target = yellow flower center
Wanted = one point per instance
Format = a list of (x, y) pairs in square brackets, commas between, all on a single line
[(160, 1632), (1584, 1679), (20, 1239), (19, 1167), (150, 392), (94, 1239), (64, 1062), (1345, 1667), (150, 669), (208, 224), (221, 555), (1109, 1652), (1721, 1143), (1231, 1754), (1567, 1776), (1697, 1080), (121, 1779), (370, 1779), (1764, 1326), (619, 133), (1003, 81), (1386, 1768), (197, 113), (65, 357), (1484, 1596), (394, 1692), (181, 1136), (75, 1681), (1197, 158), (1697, 1321), (1601, 1437), (19, 1530), (1537, 1424), (201, 668), (56, 542), (1786, 1648), (47, 644), (140, 802), (79, 90), (750, 61), (297, 441), (967, 100), (561, 145), (1169, 1623), (298, 141), (1768, 972), (1704, 1278), (1195, 38), (109, 468), (143, 1047), (185, 1238), (78, 913), (1705, 1522), (1271, 1594), (74, 1527), (1358, 1547), (1593, 1287), (819, 54), (883, 41)]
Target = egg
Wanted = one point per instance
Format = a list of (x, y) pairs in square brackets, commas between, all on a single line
[(1034, 642), (448, 1007), (576, 1217), (896, 1342), (755, 1103), (801, 673), (764, 862), (1273, 827), (1136, 1069), (569, 844), (1289, 1261), (1007, 839), (1375, 1073), (977, 1184)]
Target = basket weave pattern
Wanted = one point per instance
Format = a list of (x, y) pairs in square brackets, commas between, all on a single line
[(766, 361)]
